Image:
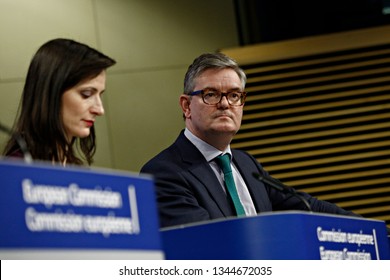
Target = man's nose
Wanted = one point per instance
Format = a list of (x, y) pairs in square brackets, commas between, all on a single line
[(223, 103)]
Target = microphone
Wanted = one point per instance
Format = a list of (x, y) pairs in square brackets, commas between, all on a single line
[(278, 185), (22, 144)]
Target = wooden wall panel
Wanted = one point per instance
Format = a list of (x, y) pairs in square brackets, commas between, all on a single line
[(317, 116)]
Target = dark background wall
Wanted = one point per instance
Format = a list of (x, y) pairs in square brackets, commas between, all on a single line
[(274, 20)]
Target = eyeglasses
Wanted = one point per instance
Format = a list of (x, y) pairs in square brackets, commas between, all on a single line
[(213, 97)]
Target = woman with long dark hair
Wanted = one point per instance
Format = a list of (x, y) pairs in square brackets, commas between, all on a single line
[(60, 102)]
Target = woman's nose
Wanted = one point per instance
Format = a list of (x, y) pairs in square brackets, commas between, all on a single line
[(98, 108)]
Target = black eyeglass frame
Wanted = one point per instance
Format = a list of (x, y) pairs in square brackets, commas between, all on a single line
[(203, 91)]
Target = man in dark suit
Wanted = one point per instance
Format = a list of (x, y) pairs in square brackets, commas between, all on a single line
[(192, 183)]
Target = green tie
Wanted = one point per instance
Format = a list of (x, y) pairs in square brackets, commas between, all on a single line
[(224, 163)]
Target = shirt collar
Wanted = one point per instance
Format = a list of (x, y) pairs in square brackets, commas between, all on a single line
[(208, 151)]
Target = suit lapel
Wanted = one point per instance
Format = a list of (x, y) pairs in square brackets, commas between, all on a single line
[(206, 176), (201, 170)]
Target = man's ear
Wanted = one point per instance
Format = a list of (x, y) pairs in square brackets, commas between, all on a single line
[(185, 105)]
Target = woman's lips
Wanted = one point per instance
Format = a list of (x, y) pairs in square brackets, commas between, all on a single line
[(89, 123)]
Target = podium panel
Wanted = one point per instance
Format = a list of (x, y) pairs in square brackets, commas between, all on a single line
[(287, 235), (49, 212)]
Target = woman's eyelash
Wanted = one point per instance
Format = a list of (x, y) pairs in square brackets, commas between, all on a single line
[(86, 93)]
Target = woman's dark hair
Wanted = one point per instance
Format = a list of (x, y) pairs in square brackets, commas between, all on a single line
[(57, 66)]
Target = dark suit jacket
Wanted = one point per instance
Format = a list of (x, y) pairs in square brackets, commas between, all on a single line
[(188, 190)]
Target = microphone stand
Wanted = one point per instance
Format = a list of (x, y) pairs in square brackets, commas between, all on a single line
[(276, 184)]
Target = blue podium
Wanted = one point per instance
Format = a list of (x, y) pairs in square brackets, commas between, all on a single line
[(49, 212), (279, 236)]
